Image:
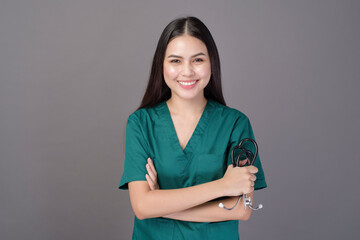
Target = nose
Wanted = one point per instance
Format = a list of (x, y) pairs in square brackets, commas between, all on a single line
[(187, 70)]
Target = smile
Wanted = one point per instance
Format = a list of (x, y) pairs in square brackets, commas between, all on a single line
[(187, 83)]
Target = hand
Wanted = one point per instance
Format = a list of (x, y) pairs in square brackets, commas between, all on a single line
[(239, 180), (151, 177), (243, 162)]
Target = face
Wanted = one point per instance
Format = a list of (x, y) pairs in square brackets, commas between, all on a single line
[(187, 67)]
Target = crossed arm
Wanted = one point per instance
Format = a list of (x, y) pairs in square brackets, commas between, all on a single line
[(197, 203), (211, 212)]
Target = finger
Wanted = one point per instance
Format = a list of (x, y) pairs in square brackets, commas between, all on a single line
[(252, 169), (252, 177), (151, 163), (243, 162), (150, 182), (151, 174), (249, 190)]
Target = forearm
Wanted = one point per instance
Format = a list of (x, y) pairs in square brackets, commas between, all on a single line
[(211, 212), (157, 203)]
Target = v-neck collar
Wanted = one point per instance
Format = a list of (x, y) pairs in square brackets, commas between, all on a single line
[(196, 135)]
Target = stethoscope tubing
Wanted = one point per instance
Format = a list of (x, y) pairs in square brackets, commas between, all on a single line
[(236, 163), (250, 156)]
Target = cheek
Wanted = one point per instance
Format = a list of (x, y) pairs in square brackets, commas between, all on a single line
[(170, 72), (204, 71)]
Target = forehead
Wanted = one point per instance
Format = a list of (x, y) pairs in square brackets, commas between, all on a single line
[(186, 45)]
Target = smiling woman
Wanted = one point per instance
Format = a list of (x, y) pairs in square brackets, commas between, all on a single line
[(177, 159), (187, 68)]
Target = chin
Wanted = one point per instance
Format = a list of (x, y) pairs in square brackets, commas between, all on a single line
[(190, 96)]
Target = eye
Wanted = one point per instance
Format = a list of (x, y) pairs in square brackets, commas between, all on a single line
[(175, 61), (198, 60)]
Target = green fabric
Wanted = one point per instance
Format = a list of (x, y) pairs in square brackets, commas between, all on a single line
[(150, 133)]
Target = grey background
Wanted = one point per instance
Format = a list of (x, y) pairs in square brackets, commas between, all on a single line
[(72, 71)]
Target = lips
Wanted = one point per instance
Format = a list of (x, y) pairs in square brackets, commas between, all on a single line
[(188, 84)]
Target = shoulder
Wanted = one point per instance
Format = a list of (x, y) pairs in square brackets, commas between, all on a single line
[(228, 113), (144, 115)]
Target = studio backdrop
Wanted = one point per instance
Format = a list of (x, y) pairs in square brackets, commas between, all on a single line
[(71, 72)]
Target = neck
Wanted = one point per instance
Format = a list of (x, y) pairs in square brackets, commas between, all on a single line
[(183, 106)]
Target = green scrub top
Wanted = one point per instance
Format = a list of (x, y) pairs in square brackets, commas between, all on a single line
[(150, 133)]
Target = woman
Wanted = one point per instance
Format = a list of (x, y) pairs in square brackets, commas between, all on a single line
[(178, 144)]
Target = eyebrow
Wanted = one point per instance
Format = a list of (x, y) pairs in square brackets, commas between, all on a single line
[(176, 56)]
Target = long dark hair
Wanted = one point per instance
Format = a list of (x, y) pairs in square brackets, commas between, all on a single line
[(157, 91)]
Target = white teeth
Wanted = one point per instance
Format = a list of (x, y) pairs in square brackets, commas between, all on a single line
[(187, 83)]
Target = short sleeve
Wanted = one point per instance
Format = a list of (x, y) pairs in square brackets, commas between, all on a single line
[(242, 129), (136, 153)]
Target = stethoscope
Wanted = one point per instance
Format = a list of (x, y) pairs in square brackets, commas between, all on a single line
[(236, 163)]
